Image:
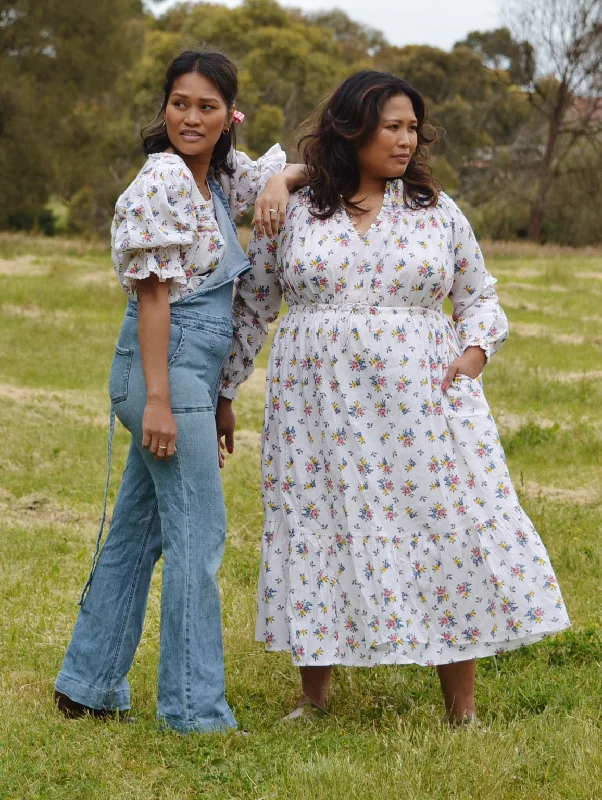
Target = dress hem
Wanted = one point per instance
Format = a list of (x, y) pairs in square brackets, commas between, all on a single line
[(378, 658)]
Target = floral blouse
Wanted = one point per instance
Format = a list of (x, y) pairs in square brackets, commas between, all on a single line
[(164, 225)]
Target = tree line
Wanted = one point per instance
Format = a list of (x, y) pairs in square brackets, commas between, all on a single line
[(518, 109)]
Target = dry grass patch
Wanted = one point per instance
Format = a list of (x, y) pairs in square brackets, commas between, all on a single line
[(104, 278), (52, 244), (518, 303), (256, 383), (575, 377), (585, 495), (31, 311), (589, 275), (89, 408), (22, 265), (534, 287), (39, 510), (519, 272), (509, 423), (536, 331), (250, 440)]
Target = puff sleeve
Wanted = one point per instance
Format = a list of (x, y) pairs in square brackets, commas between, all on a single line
[(154, 226)]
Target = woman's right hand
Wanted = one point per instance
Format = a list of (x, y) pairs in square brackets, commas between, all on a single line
[(159, 430), (225, 422)]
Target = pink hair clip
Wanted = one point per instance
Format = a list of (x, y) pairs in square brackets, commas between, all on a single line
[(238, 116)]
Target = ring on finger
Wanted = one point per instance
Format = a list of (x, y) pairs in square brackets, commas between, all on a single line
[(162, 447), (273, 212)]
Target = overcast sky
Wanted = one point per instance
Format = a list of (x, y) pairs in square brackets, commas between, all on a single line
[(439, 23)]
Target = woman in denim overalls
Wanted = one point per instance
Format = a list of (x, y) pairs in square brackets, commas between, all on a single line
[(175, 250)]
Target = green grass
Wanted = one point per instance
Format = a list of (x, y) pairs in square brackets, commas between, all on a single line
[(60, 310)]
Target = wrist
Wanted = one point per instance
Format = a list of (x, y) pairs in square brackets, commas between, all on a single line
[(158, 399), (294, 176), (476, 352)]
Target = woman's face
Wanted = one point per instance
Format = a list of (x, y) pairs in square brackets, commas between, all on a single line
[(388, 154), (196, 115)]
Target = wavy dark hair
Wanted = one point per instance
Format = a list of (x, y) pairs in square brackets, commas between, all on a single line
[(218, 68), (348, 120)]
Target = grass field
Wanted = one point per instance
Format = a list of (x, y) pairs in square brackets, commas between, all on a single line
[(60, 310)]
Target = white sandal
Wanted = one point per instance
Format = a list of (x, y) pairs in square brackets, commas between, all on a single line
[(305, 710)]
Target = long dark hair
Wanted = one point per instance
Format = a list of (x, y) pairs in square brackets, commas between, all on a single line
[(349, 119), (218, 68)]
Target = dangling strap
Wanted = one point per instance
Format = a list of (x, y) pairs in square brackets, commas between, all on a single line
[(104, 509)]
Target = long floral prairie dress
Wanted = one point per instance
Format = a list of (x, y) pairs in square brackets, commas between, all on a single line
[(392, 531)]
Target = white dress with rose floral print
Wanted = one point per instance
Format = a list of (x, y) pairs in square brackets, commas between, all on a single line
[(392, 531), (164, 225)]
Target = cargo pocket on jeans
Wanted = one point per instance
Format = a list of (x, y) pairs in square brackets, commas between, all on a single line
[(120, 374)]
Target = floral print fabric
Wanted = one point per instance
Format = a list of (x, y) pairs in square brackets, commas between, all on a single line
[(392, 531), (164, 225)]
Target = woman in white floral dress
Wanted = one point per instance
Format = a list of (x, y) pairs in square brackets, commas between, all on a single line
[(393, 534)]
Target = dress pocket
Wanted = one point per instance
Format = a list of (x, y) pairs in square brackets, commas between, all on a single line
[(465, 396), (120, 374)]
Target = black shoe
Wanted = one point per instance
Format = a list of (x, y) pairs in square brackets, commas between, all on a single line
[(73, 710)]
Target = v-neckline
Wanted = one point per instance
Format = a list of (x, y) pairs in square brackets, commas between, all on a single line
[(206, 201), (375, 221)]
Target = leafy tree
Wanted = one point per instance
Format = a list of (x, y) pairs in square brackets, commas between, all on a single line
[(56, 58), (357, 42), (518, 109), (499, 51), (474, 106)]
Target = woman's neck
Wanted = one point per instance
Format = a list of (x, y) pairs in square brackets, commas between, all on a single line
[(199, 166), (369, 188)]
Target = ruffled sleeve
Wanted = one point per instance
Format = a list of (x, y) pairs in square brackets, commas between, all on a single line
[(477, 315), (250, 177), (154, 225), (257, 302)]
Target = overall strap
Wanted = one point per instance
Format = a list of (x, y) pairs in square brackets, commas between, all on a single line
[(218, 193), (104, 509)]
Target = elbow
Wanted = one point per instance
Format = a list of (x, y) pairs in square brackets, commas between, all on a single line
[(152, 291)]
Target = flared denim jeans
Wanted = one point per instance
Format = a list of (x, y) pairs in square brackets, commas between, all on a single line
[(175, 508)]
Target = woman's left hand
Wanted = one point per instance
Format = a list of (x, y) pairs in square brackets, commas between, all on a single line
[(270, 206), (225, 422), (470, 363)]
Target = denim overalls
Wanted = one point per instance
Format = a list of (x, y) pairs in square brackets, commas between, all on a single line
[(174, 507)]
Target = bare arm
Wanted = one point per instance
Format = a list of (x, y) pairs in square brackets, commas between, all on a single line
[(159, 429), (274, 197)]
